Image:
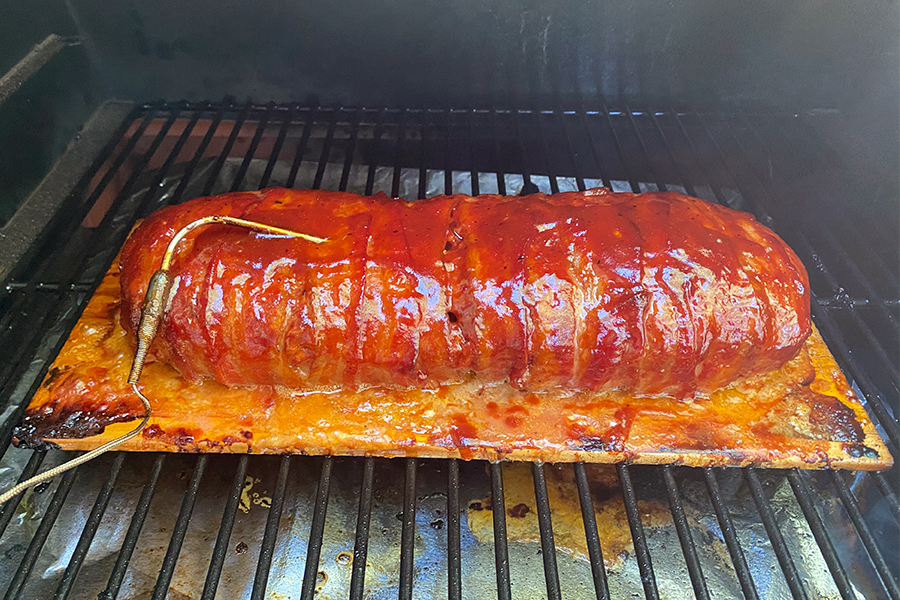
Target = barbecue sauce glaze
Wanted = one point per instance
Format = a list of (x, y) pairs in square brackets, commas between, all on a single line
[(653, 294)]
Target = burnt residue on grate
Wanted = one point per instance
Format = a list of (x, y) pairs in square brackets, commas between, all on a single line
[(254, 527)]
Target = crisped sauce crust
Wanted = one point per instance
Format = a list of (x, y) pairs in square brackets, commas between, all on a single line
[(653, 294), (802, 415)]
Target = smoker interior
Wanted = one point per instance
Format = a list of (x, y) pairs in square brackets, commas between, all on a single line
[(201, 526)]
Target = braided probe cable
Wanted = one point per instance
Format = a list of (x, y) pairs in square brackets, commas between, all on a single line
[(152, 309)]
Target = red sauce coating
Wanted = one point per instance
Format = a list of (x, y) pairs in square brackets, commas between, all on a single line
[(655, 293)]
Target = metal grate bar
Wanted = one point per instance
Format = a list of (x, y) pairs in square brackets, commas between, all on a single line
[(524, 168), (804, 498), (251, 151), (425, 131), (548, 548), (823, 312), (408, 531), (201, 149), (865, 534), (270, 534), (179, 530), (728, 532), (31, 467), (325, 152), (448, 134), (473, 139), (326, 149), (398, 153), (545, 151), (654, 173), (279, 144), (48, 286), (646, 154), (441, 133), (316, 530), (302, 146), (225, 529), (454, 553), (498, 154), (351, 149), (570, 150), (90, 529), (642, 552), (501, 548), (40, 536), (883, 486), (134, 531), (595, 152), (598, 568), (781, 550), (617, 143), (447, 152), (698, 582), (684, 181), (377, 139), (223, 155), (363, 519), (276, 148)]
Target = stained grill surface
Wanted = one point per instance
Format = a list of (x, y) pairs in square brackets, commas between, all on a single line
[(133, 525)]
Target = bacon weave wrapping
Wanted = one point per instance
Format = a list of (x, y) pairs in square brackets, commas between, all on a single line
[(656, 293)]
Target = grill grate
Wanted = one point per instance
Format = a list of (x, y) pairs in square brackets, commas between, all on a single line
[(779, 166)]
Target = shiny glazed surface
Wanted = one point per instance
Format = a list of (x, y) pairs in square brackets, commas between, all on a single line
[(655, 293)]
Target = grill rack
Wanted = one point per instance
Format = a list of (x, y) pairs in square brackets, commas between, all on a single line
[(729, 156)]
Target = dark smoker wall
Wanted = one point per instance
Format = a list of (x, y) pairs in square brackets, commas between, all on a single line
[(808, 54)]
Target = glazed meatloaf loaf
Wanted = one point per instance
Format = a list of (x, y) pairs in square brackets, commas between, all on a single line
[(652, 294)]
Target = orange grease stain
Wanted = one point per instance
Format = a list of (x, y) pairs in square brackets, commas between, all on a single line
[(513, 421)]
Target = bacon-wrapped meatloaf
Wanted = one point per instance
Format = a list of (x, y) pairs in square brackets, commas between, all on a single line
[(656, 293)]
